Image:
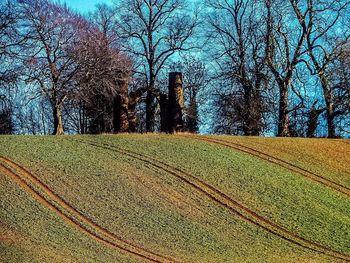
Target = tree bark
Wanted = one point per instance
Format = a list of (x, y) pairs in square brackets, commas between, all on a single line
[(176, 102), (120, 109), (164, 114), (192, 118), (283, 119), (312, 122), (57, 120), (134, 97), (150, 111), (329, 106), (132, 112), (120, 114), (150, 98), (330, 121), (251, 112)]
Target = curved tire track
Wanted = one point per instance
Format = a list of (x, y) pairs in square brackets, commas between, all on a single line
[(117, 242), (226, 201), (275, 160)]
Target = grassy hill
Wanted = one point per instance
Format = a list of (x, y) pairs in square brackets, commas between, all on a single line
[(184, 198)]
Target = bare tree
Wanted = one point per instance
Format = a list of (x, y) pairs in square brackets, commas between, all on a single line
[(339, 79), (52, 33), (285, 41), (156, 30), (240, 60), (103, 77), (9, 40), (325, 45)]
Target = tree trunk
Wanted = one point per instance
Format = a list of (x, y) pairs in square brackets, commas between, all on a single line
[(283, 119), (312, 122), (150, 99), (82, 119), (164, 114), (120, 109), (247, 111), (134, 97), (330, 120), (57, 120), (150, 111), (329, 106), (117, 101), (132, 112), (6, 126), (120, 114), (176, 102), (192, 118)]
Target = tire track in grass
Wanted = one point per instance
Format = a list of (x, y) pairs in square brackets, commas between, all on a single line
[(103, 236), (177, 198), (44, 202), (275, 160), (226, 201)]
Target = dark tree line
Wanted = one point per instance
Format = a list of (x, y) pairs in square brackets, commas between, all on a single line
[(249, 67), (270, 55)]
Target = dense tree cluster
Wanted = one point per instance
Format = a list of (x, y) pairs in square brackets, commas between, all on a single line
[(249, 67)]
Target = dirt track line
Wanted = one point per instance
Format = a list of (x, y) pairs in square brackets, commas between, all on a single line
[(118, 242), (227, 202), (194, 206), (275, 160), (42, 200)]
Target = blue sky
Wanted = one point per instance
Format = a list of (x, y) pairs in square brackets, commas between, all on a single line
[(84, 6)]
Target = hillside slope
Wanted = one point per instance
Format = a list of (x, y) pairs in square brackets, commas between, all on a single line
[(184, 198)]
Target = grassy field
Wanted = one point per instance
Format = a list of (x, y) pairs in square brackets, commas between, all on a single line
[(159, 198)]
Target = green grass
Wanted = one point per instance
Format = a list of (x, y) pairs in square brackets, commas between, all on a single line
[(32, 233), (330, 158), (151, 208)]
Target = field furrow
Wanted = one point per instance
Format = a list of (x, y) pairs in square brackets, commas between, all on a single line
[(72, 216), (226, 201), (275, 160)]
